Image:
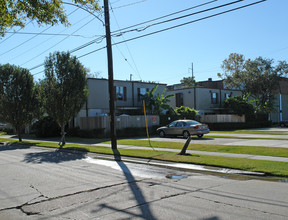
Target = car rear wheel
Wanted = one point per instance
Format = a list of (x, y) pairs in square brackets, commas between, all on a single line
[(200, 135), (162, 134), (186, 134)]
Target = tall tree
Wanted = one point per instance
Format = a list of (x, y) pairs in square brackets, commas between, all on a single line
[(188, 81), (16, 13), (64, 89), (18, 97), (258, 77)]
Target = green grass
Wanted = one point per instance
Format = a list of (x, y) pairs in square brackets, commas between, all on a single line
[(268, 167), (237, 137), (264, 151), (252, 132)]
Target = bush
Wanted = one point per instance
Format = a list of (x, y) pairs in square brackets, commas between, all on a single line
[(241, 106), (94, 133), (234, 126), (46, 127), (186, 112)]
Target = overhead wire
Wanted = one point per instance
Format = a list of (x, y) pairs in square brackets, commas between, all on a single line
[(165, 16), (166, 29), (93, 41), (136, 68), (134, 3), (19, 45), (57, 43), (181, 17), (51, 34), (180, 25), (12, 34), (44, 40)]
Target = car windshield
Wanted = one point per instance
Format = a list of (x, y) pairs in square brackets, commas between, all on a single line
[(192, 122)]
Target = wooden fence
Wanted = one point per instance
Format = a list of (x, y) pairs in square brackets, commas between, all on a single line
[(222, 119), (121, 122)]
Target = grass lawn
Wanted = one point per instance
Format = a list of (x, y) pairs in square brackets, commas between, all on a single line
[(252, 132), (268, 167), (264, 151)]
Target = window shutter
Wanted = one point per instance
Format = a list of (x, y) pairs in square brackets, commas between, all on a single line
[(138, 94), (115, 95), (125, 93)]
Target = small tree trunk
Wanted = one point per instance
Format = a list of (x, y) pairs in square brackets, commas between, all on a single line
[(63, 141), (19, 134), (183, 151)]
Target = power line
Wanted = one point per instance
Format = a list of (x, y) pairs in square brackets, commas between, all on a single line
[(12, 34), (180, 25), (57, 43), (51, 34), (169, 28), (127, 49), (181, 17), (19, 45), (134, 3), (45, 40), (155, 19)]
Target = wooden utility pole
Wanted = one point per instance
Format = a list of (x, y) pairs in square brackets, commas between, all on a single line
[(110, 76)]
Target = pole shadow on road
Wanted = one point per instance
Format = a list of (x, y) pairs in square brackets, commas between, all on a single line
[(143, 205), (56, 156)]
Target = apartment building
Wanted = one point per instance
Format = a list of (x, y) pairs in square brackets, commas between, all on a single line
[(127, 97)]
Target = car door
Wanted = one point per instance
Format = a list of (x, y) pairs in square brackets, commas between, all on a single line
[(179, 128), (171, 128)]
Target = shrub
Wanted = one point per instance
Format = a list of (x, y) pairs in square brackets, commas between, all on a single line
[(241, 106), (46, 127), (186, 112), (94, 133)]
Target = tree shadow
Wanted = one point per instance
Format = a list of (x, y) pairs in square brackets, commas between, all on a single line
[(143, 205), (57, 156), (13, 146)]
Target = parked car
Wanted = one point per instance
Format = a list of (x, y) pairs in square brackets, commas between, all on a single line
[(184, 128), (3, 126), (283, 123)]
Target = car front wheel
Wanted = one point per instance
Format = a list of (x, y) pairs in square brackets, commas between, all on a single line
[(200, 135), (162, 134), (186, 134)]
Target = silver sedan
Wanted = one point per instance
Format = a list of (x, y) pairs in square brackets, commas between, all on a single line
[(184, 128)]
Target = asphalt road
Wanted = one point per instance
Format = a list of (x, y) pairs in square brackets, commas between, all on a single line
[(39, 183)]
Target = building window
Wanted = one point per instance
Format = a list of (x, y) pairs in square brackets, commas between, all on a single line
[(121, 93), (179, 99), (141, 93), (227, 95), (214, 98)]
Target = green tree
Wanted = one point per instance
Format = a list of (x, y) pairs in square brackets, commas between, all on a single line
[(186, 112), (241, 105), (258, 77), (18, 97), (16, 13), (156, 102), (188, 82), (64, 89)]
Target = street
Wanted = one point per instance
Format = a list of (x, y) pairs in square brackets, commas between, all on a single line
[(42, 183)]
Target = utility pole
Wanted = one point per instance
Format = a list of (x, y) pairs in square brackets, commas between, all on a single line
[(110, 76), (192, 72)]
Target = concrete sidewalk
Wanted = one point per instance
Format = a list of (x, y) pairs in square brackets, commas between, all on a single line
[(246, 156), (231, 155)]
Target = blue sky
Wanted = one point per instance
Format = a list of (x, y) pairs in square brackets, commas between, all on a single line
[(166, 57)]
